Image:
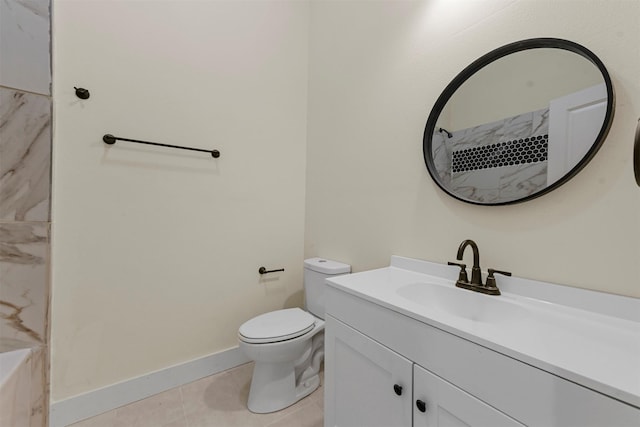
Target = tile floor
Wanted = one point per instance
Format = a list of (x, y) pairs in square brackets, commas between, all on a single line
[(215, 401)]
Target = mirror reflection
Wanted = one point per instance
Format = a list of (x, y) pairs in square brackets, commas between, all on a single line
[(518, 126)]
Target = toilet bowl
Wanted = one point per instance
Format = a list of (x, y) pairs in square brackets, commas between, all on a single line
[(285, 370), (288, 345)]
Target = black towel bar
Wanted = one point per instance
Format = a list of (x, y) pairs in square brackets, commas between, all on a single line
[(110, 139)]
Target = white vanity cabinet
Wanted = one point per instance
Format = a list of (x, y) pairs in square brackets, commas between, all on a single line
[(370, 347), (439, 403), (372, 385)]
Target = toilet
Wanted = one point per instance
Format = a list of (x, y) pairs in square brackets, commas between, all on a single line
[(288, 345)]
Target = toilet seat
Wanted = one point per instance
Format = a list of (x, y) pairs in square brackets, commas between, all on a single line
[(280, 325)]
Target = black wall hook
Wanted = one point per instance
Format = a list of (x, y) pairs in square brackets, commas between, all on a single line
[(82, 93)]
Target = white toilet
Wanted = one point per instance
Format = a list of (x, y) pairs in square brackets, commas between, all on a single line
[(288, 345)]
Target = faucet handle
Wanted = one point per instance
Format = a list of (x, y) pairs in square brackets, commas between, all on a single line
[(462, 277), (491, 281)]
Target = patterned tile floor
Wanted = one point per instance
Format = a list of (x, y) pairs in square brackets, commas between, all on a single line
[(215, 401)]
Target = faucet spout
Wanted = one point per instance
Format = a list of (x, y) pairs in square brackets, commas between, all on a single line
[(476, 272)]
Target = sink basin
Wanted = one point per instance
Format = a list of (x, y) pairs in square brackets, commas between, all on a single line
[(463, 303)]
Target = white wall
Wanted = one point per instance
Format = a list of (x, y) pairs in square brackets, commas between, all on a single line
[(156, 251), (377, 68)]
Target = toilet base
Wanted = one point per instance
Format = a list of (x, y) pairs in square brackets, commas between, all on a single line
[(284, 371), (273, 387)]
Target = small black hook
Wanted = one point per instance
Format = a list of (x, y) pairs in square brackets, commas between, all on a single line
[(449, 134), (82, 93)]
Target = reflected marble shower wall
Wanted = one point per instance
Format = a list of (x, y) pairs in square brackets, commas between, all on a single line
[(25, 195), (497, 182)]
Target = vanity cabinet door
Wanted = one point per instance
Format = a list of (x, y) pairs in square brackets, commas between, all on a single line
[(437, 402), (366, 383)]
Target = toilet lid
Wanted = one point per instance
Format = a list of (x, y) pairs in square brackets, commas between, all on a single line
[(277, 326)]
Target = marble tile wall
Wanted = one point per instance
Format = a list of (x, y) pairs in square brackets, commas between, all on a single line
[(24, 283), (493, 184), (25, 195), (23, 394), (24, 45), (25, 156)]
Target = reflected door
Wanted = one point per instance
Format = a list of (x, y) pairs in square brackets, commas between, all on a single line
[(574, 119)]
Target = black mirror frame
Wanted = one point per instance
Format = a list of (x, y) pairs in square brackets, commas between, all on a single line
[(487, 59)]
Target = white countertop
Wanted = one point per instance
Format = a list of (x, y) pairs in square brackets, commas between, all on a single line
[(590, 338)]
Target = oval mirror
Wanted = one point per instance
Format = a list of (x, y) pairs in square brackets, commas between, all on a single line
[(519, 122)]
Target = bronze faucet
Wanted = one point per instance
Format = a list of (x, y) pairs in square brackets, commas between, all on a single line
[(476, 273)]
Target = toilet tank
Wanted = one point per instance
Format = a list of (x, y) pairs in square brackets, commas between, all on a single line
[(315, 271)]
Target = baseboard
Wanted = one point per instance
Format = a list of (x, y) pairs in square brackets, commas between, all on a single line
[(96, 402)]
